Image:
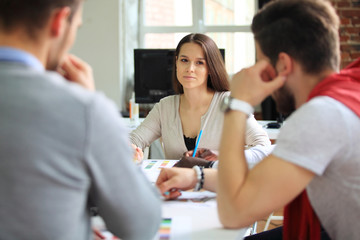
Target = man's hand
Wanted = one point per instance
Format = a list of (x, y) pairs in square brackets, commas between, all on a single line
[(255, 83), (76, 70), (171, 180)]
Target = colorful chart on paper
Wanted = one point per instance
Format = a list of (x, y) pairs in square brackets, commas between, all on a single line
[(165, 229), (152, 167)]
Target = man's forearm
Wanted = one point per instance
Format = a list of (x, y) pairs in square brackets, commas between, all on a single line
[(233, 168)]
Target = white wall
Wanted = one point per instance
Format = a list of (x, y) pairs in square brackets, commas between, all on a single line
[(98, 44)]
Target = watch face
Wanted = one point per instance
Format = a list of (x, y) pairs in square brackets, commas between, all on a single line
[(225, 104)]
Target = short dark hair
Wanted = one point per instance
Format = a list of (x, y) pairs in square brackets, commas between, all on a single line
[(31, 14), (218, 77), (307, 30)]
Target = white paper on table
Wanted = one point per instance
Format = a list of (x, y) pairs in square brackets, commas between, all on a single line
[(180, 228), (152, 167), (203, 195)]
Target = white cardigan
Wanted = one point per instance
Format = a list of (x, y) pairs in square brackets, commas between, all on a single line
[(164, 121)]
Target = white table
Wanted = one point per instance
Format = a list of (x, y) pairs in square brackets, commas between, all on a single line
[(197, 220), (189, 221), (192, 216)]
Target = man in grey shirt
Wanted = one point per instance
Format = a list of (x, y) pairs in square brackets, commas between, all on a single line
[(63, 148)]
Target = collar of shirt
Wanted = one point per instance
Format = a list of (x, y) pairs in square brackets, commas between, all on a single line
[(9, 54)]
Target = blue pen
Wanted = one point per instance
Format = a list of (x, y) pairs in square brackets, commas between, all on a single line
[(198, 139), (197, 143)]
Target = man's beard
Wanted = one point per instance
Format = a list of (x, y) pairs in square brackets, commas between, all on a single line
[(285, 101)]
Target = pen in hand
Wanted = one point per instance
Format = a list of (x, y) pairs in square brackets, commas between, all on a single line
[(197, 143), (198, 139)]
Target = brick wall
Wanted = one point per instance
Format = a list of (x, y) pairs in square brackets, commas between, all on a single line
[(349, 12)]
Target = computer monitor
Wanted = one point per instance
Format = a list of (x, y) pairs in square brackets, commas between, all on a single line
[(153, 74), (153, 71)]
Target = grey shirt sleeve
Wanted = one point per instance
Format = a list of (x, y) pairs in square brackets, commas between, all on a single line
[(129, 205)]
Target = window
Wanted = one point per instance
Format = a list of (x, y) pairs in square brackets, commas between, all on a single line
[(164, 22)]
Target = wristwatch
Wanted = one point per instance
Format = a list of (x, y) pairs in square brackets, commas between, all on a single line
[(230, 103)]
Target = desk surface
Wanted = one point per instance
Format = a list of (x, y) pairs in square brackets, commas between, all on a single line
[(196, 220), (193, 216)]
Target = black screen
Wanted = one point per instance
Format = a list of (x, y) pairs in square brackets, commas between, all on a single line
[(153, 74), (153, 71)]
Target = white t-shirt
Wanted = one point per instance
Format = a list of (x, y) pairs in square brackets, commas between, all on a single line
[(323, 136)]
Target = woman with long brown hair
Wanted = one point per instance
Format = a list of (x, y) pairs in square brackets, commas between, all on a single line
[(201, 83)]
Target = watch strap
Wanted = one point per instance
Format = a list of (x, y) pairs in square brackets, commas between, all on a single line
[(242, 106)]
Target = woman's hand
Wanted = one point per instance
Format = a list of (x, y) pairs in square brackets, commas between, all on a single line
[(97, 234), (202, 158), (204, 153), (171, 180), (138, 154), (189, 162)]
